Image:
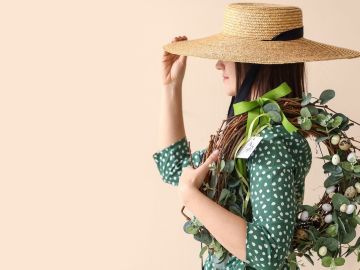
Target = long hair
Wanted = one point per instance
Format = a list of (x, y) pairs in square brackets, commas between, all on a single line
[(272, 75)]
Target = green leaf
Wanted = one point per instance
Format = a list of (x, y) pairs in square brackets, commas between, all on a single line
[(240, 167), (312, 109), (321, 117), (356, 218), (231, 198), (313, 233), (204, 248), (190, 228), (346, 165), (339, 261), (305, 99), (293, 265), (229, 166), (203, 236), (197, 222), (344, 122), (304, 112), (270, 106), (235, 209), (337, 121), (233, 182), (339, 199), (213, 179), (342, 225), (212, 244), (332, 230), (328, 157), (352, 220), (213, 182), (306, 124), (348, 232), (346, 127), (331, 168), (332, 180), (222, 165), (353, 248), (275, 116), (292, 260), (321, 139), (357, 169), (326, 261), (308, 257), (219, 254), (224, 195), (326, 95), (321, 129), (331, 243)]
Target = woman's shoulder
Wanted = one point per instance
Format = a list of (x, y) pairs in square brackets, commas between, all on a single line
[(279, 132), (292, 142)]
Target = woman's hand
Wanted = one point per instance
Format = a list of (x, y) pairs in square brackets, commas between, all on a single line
[(191, 179), (173, 66)]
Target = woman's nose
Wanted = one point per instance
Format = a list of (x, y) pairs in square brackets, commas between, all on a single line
[(219, 65)]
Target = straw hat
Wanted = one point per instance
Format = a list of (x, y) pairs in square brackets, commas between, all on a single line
[(260, 33)]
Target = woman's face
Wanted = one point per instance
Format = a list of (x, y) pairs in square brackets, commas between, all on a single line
[(228, 75)]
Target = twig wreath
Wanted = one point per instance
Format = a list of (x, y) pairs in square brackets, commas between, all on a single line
[(326, 227)]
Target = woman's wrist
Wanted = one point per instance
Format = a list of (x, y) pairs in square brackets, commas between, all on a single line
[(173, 86), (172, 94), (187, 194)]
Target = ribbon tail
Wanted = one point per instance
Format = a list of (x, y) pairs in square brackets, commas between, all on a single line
[(278, 92), (251, 116), (244, 106), (264, 121), (287, 124)]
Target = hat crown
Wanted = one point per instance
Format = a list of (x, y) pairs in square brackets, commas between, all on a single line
[(260, 21)]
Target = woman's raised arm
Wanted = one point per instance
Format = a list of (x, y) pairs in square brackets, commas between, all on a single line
[(171, 124)]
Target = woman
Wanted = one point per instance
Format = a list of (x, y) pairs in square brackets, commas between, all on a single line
[(226, 227), (279, 164)]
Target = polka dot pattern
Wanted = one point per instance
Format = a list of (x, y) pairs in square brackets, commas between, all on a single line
[(277, 169), (172, 159)]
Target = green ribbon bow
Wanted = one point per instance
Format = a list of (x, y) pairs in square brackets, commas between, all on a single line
[(254, 108)]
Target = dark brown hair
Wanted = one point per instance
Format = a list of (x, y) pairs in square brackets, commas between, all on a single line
[(272, 75)]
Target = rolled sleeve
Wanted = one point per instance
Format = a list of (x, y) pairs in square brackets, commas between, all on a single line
[(172, 159)]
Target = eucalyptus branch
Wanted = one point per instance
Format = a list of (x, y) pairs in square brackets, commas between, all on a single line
[(232, 132)]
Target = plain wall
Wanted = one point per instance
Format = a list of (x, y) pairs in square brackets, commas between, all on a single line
[(79, 105)]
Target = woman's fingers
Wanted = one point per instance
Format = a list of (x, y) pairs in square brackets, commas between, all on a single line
[(175, 39), (178, 38), (204, 167), (173, 65)]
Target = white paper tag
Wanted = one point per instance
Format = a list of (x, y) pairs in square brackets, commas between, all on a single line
[(246, 150)]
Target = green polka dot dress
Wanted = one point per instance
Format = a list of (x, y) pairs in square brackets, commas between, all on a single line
[(277, 169)]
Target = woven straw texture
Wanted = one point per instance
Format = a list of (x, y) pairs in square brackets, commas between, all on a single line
[(246, 34)]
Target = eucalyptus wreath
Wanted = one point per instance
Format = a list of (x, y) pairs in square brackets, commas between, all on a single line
[(325, 228)]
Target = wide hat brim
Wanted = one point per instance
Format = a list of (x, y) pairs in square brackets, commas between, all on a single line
[(232, 48)]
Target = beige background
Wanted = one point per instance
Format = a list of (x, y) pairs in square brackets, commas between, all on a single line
[(80, 87)]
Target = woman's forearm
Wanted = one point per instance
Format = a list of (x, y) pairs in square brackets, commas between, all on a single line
[(171, 125), (227, 228)]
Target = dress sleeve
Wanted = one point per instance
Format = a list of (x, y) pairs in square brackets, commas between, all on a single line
[(172, 159), (273, 200)]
